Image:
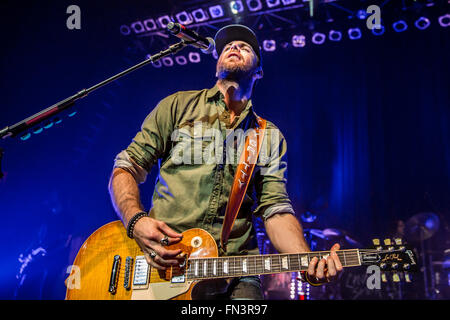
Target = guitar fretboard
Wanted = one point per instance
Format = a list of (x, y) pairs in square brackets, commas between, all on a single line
[(224, 267)]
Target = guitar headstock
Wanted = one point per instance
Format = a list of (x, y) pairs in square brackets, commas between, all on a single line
[(391, 255)]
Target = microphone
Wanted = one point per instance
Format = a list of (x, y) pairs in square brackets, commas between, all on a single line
[(207, 44)]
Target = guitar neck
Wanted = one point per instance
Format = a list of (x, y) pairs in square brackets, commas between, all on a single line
[(225, 267)]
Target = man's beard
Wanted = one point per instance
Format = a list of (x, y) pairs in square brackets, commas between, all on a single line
[(234, 72)]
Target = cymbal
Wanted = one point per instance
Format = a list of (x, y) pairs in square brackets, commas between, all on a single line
[(422, 226)]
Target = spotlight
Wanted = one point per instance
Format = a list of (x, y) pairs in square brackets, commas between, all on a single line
[(167, 61), (125, 30), (194, 57), (335, 35), (318, 38), (272, 3), (181, 60), (400, 26), (444, 20), (422, 23), (156, 64), (288, 2), (216, 11), (150, 25), (298, 41), (200, 15), (138, 27), (354, 33), (378, 30), (269, 45), (164, 21), (361, 14), (236, 6), (184, 18), (254, 5)]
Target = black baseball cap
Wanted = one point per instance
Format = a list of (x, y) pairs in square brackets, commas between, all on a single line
[(235, 32)]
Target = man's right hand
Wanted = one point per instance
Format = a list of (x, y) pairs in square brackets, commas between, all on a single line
[(148, 233)]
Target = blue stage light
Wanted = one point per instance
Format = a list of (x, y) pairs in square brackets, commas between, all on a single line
[(236, 6), (354, 33), (254, 5), (400, 26), (216, 11), (298, 41), (269, 45), (184, 18), (200, 15), (378, 30), (335, 35), (318, 38)]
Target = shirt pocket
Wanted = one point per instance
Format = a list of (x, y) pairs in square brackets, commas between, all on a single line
[(196, 145)]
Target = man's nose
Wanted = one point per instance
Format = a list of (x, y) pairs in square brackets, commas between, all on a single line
[(234, 46)]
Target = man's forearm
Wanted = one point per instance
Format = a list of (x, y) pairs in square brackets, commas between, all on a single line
[(286, 233), (124, 192)]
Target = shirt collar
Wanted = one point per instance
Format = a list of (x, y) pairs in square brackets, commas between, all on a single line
[(214, 94)]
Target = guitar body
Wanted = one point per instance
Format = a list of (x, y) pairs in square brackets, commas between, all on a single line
[(92, 270)]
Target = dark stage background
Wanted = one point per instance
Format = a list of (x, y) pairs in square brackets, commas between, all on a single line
[(367, 124)]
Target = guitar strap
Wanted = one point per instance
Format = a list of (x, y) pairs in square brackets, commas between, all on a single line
[(242, 177)]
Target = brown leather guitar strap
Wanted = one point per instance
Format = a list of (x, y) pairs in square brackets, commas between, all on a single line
[(247, 162)]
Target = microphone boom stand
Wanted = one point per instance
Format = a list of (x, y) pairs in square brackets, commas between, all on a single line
[(34, 120)]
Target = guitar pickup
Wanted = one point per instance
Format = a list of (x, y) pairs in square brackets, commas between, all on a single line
[(128, 266), (114, 275)]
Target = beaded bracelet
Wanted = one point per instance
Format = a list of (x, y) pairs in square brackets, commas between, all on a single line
[(132, 223)]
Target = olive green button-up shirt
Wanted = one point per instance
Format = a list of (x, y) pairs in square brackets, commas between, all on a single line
[(186, 134)]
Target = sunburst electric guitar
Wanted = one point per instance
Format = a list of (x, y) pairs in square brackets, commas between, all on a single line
[(110, 266)]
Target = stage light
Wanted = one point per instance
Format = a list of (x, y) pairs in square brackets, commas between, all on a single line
[(335, 35), (156, 64), (318, 38), (254, 5), (184, 18), (378, 30), (216, 11), (181, 60), (167, 61), (272, 3), (138, 27), (194, 57), (444, 20), (288, 2), (164, 21), (269, 45), (422, 23), (361, 14), (200, 15), (298, 41), (125, 30), (150, 25), (400, 26), (236, 6), (354, 33)]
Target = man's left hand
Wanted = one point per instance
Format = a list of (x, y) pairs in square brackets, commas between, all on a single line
[(325, 270)]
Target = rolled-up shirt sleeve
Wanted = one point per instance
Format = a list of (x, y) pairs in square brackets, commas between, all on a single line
[(271, 177), (151, 142)]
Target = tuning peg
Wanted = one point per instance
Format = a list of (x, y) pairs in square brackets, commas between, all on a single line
[(406, 266), (396, 277), (394, 265), (383, 266), (391, 248), (387, 242), (398, 241), (376, 242), (408, 277)]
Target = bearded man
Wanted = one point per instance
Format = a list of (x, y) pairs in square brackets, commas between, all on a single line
[(193, 193)]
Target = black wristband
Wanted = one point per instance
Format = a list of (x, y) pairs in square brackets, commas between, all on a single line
[(133, 221)]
